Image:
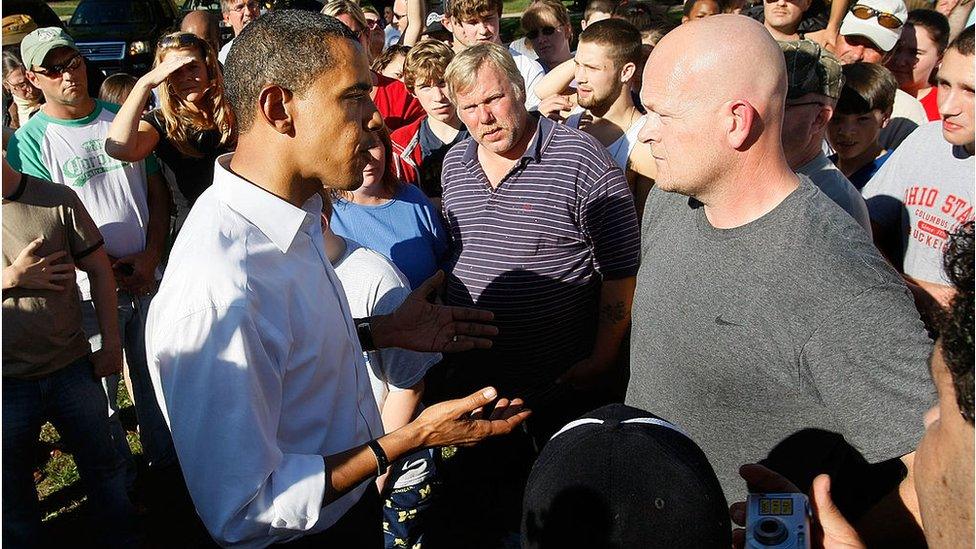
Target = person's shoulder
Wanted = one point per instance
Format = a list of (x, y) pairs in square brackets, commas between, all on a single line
[(834, 244), (33, 130), (107, 106), (403, 135), (581, 147)]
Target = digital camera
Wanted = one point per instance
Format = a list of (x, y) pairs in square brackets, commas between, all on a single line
[(778, 521)]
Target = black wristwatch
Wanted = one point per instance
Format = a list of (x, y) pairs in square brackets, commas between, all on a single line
[(364, 329), (382, 462)]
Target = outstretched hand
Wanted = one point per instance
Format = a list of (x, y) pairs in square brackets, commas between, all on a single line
[(462, 422), (829, 527), (421, 324)]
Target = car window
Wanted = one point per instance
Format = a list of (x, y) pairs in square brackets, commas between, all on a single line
[(114, 13)]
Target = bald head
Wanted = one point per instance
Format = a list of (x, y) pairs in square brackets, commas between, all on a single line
[(748, 65), (716, 113), (204, 25)]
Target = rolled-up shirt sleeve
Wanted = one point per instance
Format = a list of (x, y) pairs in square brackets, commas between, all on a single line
[(218, 379)]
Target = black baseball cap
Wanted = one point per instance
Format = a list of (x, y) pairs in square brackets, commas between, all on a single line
[(622, 477)]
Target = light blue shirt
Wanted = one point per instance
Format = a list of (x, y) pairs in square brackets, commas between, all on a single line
[(407, 230)]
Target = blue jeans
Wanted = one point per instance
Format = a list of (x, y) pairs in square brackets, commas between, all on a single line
[(73, 400), (157, 444)]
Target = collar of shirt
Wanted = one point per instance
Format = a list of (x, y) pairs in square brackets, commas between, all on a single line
[(819, 162), (272, 215), (543, 134)]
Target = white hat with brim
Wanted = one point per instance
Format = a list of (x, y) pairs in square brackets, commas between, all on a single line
[(883, 37)]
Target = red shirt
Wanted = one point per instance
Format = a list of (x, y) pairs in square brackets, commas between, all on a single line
[(395, 104), (931, 104)]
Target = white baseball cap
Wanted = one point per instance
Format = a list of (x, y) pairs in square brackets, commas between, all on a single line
[(884, 37)]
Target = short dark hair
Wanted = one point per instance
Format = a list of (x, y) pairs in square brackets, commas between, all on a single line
[(288, 48), (867, 86), (934, 22), (116, 88), (643, 15), (965, 43), (690, 5), (621, 38), (957, 325)]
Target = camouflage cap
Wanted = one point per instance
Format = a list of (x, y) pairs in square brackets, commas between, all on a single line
[(811, 69)]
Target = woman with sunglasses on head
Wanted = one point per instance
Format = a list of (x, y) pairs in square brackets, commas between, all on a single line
[(193, 124), (547, 27)]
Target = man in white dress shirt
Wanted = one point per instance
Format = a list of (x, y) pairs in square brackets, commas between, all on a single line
[(256, 361)]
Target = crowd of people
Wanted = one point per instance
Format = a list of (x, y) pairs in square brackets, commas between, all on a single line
[(374, 278)]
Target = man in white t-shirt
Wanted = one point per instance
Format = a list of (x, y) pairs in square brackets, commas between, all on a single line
[(925, 189), (473, 21), (65, 143), (237, 14)]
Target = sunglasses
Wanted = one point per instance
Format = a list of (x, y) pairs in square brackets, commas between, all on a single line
[(546, 31), (372, 23), (179, 41), (56, 71), (886, 20)]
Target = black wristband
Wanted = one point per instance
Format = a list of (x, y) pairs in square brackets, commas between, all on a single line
[(364, 330), (382, 463)]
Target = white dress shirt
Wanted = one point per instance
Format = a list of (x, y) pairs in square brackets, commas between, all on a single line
[(256, 364)]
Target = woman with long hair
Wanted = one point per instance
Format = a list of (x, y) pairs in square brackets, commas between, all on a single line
[(26, 98), (194, 122), (390, 217)]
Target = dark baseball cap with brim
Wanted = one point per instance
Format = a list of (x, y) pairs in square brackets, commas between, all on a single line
[(811, 69), (36, 45), (623, 477)]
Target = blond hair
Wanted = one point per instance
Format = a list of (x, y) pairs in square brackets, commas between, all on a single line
[(335, 8), (179, 119), (426, 63), (463, 70)]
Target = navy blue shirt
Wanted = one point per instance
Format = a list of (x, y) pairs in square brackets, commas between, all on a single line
[(535, 249), (864, 174)]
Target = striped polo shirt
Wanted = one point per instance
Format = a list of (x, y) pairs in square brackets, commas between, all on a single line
[(535, 249)]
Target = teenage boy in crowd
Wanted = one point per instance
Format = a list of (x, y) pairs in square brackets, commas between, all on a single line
[(814, 80), (238, 14), (604, 68), (419, 148), (49, 372), (925, 189), (698, 9), (129, 202), (862, 112), (869, 33), (474, 21)]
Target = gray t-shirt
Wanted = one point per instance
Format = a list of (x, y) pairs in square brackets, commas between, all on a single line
[(837, 187), (921, 194), (752, 337)]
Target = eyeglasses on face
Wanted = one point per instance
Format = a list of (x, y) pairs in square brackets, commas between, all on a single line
[(250, 6), (545, 31), (372, 23), (886, 20), (23, 85), (804, 104), (56, 71)]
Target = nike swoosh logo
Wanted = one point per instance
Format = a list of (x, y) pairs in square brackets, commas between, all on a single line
[(721, 322)]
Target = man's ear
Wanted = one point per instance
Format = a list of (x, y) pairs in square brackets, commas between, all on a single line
[(31, 77), (743, 124), (627, 72), (822, 120), (446, 22), (274, 103)]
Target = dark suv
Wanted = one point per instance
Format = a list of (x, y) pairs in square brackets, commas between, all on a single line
[(121, 35)]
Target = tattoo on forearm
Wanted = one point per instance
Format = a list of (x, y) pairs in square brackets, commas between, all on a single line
[(613, 313)]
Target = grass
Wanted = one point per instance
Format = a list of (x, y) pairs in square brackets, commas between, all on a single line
[(64, 8), (59, 489)]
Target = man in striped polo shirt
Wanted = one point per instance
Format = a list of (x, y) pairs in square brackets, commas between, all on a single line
[(544, 235)]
